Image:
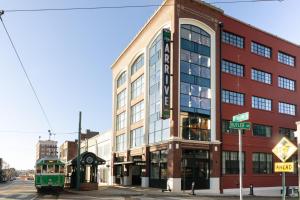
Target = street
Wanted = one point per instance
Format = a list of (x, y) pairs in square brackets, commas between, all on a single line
[(20, 189)]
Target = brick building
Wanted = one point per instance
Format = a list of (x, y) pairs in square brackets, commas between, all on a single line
[(219, 67)]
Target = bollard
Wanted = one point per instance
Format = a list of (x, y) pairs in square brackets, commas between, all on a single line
[(287, 191), (251, 190), (193, 188)]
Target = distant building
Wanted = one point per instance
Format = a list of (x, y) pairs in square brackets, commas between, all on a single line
[(68, 150), (46, 148), (88, 134), (101, 146)]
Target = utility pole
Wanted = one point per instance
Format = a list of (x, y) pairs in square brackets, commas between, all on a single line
[(78, 155)]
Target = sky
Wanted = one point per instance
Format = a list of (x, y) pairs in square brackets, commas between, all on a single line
[(68, 56)]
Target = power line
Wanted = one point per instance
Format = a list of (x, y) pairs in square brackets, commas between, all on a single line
[(26, 74), (86, 8), (242, 1), (37, 132)]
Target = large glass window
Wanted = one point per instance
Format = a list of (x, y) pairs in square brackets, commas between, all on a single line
[(261, 76), (194, 126), (121, 99), (261, 50), (286, 108), (233, 39), (138, 63), (121, 121), (232, 68), (158, 129), (195, 94), (233, 97), (261, 103), (137, 112), (137, 87), (137, 137), (121, 142), (262, 130), (122, 79), (262, 163), (230, 161), (286, 59), (286, 83)]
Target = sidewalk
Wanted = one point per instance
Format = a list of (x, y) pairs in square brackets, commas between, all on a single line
[(122, 191)]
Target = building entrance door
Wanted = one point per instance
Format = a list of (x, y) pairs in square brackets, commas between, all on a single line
[(136, 175), (195, 168)]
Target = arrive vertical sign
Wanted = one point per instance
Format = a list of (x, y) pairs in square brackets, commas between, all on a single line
[(165, 74)]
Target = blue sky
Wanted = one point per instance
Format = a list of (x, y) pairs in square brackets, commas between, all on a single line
[(68, 57)]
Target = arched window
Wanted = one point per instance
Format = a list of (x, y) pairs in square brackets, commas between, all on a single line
[(138, 63), (122, 79)]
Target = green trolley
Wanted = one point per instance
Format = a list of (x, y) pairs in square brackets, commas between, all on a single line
[(49, 174)]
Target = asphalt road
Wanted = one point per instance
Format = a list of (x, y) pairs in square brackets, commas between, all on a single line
[(25, 190)]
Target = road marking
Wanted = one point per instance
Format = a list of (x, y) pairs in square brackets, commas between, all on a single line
[(35, 197)]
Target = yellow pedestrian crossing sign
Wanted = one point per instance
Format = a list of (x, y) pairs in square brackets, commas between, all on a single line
[(284, 149)]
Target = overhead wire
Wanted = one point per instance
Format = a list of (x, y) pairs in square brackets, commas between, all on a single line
[(86, 8), (26, 74), (242, 1)]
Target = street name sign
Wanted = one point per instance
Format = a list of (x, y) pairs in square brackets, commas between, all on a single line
[(240, 125), (240, 117), (284, 167), (284, 149)]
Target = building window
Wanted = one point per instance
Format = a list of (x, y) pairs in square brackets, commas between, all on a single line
[(137, 112), (286, 83), (226, 129), (286, 59), (194, 127), (261, 76), (195, 34), (261, 50), (262, 163), (232, 68), (159, 129), (286, 108), (121, 99), (233, 39), (122, 79), (195, 94), (137, 137), (261, 103), (230, 163), (137, 87), (121, 121), (121, 142), (287, 132), (195, 98), (138, 63), (262, 130), (233, 97)]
